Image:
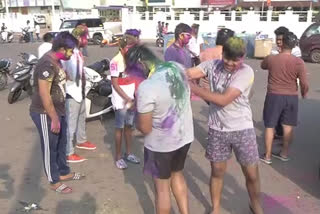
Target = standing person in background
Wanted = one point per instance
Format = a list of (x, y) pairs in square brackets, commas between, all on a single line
[(195, 45), (75, 104), (166, 29), (37, 28), (46, 45), (178, 51), (281, 103), (4, 33), (132, 37), (47, 111), (162, 27), (123, 90), (215, 53), (279, 32), (29, 29), (230, 120), (159, 29), (83, 31)]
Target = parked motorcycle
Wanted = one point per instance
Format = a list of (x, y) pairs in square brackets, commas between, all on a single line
[(23, 77), (25, 36), (4, 72), (160, 41), (98, 89), (6, 36)]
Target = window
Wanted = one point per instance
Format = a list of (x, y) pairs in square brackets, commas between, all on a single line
[(314, 30), (69, 24)]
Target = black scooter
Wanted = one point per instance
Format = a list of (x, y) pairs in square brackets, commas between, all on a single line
[(4, 72), (25, 36), (159, 41), (23, 77), (98, 89)]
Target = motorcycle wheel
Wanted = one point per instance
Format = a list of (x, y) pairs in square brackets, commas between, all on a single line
[(14, 96), (3, 81), (27, 39)]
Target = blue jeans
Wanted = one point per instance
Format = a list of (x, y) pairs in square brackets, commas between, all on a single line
[(124, 117)]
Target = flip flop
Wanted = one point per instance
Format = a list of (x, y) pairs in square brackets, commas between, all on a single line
[(76, 177), (63, 189), (265, 160)]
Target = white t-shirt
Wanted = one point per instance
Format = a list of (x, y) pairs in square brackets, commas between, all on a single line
[(37, 28), (44, 48), (167, 95), (237, 115), (194, 45), (117, 67), (295, 51), (70, 66)]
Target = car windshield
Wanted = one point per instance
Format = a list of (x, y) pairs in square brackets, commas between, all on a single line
[(68, 24), (315, 29)]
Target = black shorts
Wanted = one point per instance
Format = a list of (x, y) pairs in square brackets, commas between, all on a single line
[(283, 108), (161, 164)]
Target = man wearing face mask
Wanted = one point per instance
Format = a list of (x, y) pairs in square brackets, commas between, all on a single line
[(230, 119), (47, 111), (178, 51)]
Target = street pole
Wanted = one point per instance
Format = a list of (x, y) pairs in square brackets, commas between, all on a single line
[(7, 7), (52, 15)]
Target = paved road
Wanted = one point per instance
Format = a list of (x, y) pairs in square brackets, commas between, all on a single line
[(288, 188)]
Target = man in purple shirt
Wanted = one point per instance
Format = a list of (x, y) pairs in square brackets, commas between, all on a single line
[(178, 52)]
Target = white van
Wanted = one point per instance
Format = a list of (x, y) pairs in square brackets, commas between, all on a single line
[(95, 26)]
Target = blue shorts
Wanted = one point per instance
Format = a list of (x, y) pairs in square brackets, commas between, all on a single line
[(283, 108), (124, 118)]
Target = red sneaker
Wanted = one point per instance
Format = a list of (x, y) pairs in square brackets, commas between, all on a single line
[(74, 158), (86, 145)]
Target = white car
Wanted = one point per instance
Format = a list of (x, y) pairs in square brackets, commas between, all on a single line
[(97, 33)]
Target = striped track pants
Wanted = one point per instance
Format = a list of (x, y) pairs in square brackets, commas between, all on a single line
[(53, 146)]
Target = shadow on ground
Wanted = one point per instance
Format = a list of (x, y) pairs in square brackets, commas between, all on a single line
[(6, 182), (86, 205)]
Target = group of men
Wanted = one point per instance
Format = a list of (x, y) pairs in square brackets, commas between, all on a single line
[(155, 94)]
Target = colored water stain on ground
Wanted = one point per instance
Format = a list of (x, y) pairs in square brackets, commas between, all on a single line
[(292, 204)]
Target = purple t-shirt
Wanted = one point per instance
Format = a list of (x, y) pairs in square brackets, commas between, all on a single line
[(179, 55)]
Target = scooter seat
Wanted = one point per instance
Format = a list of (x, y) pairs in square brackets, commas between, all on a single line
[(104, 88)]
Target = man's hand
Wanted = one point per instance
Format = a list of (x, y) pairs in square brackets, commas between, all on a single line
[(55, 125), (129, 103)]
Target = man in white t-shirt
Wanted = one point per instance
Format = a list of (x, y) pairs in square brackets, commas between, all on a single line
[(76, 106), (165, 118), (195, 44), (230, 120), (46, 45), (37, 28)]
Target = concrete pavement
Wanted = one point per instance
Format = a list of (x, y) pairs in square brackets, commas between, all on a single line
[(287, 188)]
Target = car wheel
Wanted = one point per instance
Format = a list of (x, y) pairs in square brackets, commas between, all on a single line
[(97, 39), (315, 56)]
